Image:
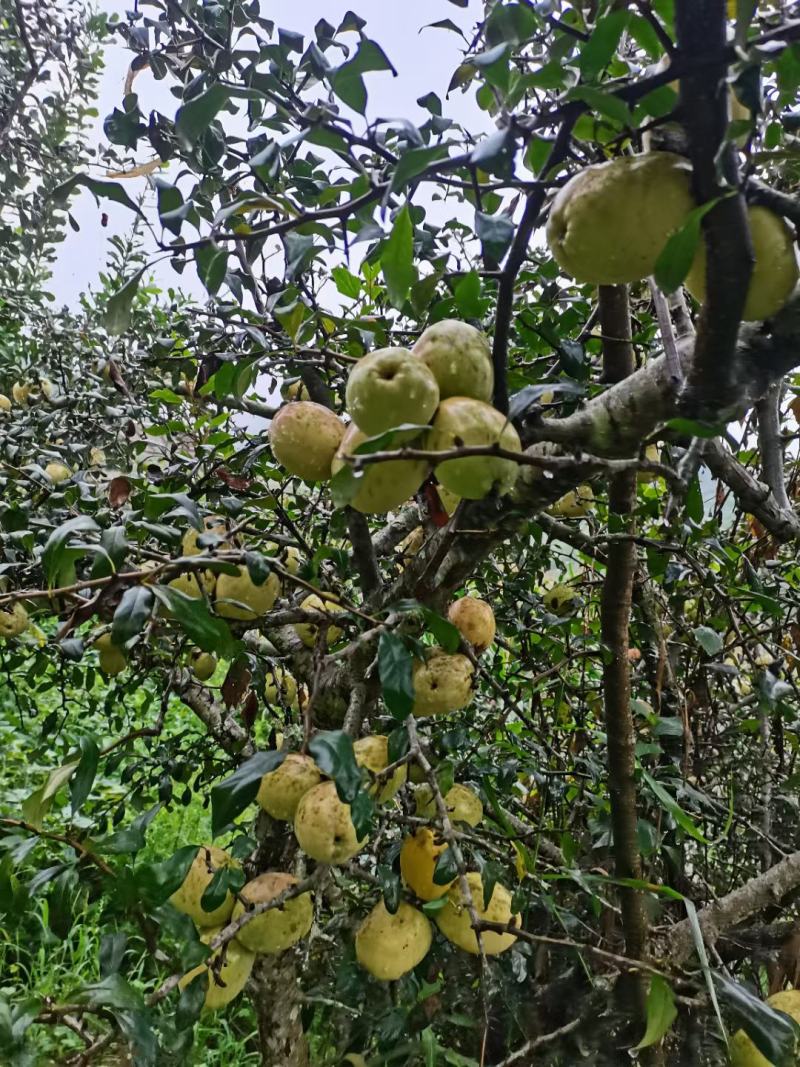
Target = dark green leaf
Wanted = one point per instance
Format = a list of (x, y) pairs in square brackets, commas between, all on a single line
[(207, 631), (397, 259), (394, 668), (446, 868), (668, 803), (118, 309), (678, 253), (160, 880), (343, 486), (194, 117), (442, 629), (230, 797), (495, 233), (390, 887), (211, 262), (661, 1011), (362, 810), (602, 103), (57, 541), (131, 838), (414, 162), (82, 780), (108, 190), (224, 880), (333, 752), (132, 614), (709, 640), (191, 1001), (775, 1034), (112, 992), (597, 52)]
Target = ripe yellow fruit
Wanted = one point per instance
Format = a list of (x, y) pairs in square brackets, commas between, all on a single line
[(442, 683), (373, 753), (287, 555), (560, 600), (203, 664), (307, 631), (233, 974), (575, 504), (238, 597), (611, 221), (474, 620), (304, 437), (5, 403), (323, 827), (279, 928), (188, 896), (463, 804), (57, 472), (20, 391), (111, 656), (774, 271), (418, 857), (280, 688), (462, 421), (743, 1052), (212, 524), (389, 946), (388, 388), (455, 923), (282, 790), (189, 583), (14, 621), (460, 358), (381, 486)]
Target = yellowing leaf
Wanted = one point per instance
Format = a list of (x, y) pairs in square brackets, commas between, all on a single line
[(139, 171)]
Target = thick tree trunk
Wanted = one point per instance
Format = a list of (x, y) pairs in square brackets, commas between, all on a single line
[(275, 992)]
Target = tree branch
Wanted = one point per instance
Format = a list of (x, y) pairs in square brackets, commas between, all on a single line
[(770, 445)]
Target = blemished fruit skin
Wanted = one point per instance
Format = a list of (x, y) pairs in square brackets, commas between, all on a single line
[(235, 970), (455, 923), (279, 928), (280, 687), (743, 1052), (238, 597), (203, 665), (389, 946), (373, 753), (463, 421), (282, 790), (575, 504), (57, 472), (112, 658), (442, 683), (560, 600), (610, 222), (198, 878), (307, 631), (14, 620), (775, 270), (388, 388), (323, 827), (304, 437), (474, 620), (418, 857), (462, 803), (5, 403), (382, 486), (460, 358)]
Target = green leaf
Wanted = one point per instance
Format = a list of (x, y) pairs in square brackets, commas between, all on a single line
[(194, 117), (661, 1011), (119, 306), (346, 283), (678, 253), (394, 669), (774, 1033), (413, 162), (112, 992), (397, 259), (708, 639), (191, 1001), (132, 614), (160, 880), (603, 103), (130, 838), (37, 805), (230, 797), (207, 631), (673, 807), (343, 486), (598, 51), (446, 868), (211, 262), (390, 887), (692, 428), (333, 752), (55, 546), (83, 779), (346, 80), (495, 233), (224, 880), (107, 190), (447, 635)]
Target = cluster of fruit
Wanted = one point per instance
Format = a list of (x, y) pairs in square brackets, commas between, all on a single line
[(439, 393)]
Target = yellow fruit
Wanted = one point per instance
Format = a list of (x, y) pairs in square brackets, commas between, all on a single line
[(560, 600), (460, 358), (463, 804), (373, 753), (187, 898), (288, 556), (474, 620), (418, 858), (279, 928), (20, 392), (212, 524), (47, 389), (238, 597), (111, 656), (389, 946), (280, 688), (97, 457), (307, 631), (388, 388), (381, 486), (189, 584), (282, 790), (57, 472), (203, 664), (455, 923), (14, 620), (233, 974), (774, 271), (653, 455), (575, 504), (304, 437), (743, 1052), (442, 683), (295, 390), (462, 421), (610, 222), (323, 827), (450, 501), (5, 403)]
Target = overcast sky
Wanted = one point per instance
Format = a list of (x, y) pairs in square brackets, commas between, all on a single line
[(424, 60)]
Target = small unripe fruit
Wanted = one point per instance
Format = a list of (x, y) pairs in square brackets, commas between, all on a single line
[(14, 620), (203, 665), (462, 803), (381, 486), (57, 472), (280, 688), (575, 504), (20, 392), (461, 421), (307, 631), (111, 656), (561, 600), (5, 403), (233, 974), (373, 753), (455, 922)]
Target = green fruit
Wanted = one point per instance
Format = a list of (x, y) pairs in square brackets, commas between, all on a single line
[(238, 597), (279, 928), (323, 826), (461, 421), (14, 621), (281, 790), (381, 486), (774, 271), (280, 688), (460, 358), (388, 388), (304, 437), (187, 898), (233, 974), (611, 221), (112, 658), (203, 665), (373, 753), (389, 946), (57, 472)]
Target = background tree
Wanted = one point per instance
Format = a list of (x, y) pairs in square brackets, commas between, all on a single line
[(630, 732)]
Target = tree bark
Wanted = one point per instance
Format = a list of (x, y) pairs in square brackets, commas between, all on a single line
[(275, 992)]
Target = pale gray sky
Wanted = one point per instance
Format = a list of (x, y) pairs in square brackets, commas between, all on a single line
[(424, 60)]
